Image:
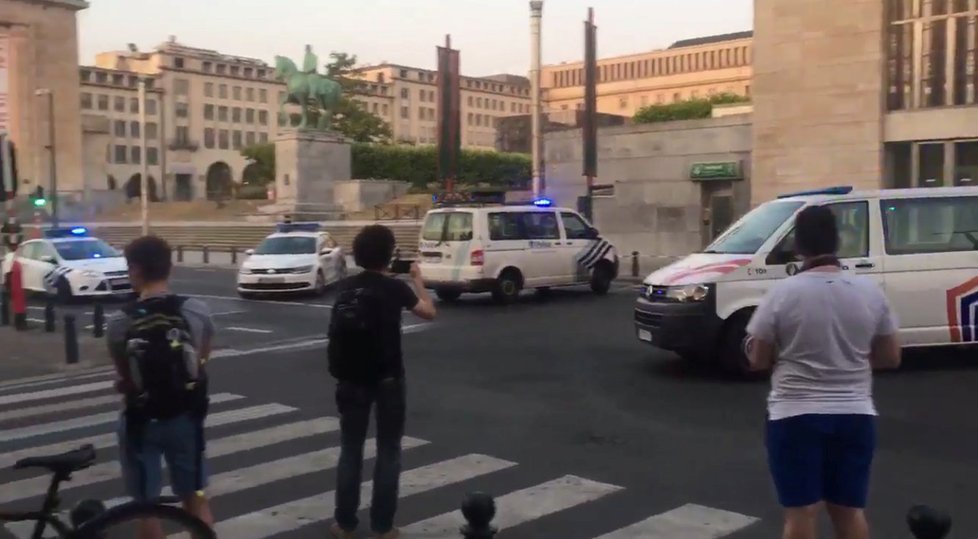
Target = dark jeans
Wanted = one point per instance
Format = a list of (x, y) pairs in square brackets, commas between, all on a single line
[(354, 403)]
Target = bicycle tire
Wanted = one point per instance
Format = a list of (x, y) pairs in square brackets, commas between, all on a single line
[(119, 522)]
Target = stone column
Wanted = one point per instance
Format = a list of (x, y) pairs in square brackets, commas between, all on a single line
[(308, 163)]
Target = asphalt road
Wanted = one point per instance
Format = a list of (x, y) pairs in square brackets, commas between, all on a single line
[(551, 405)]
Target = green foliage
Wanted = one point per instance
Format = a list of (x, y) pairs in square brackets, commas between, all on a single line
[(350, 118), (251, 191), (263, 157), (419, 165), (685, 110)]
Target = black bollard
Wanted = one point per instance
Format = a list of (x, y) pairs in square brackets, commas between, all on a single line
[(234, 255), (207, 255), (4, 307), (180, 253), (479, 509), (634, 263), (98, 320), (71, 340), (49, 316), (928, 523)]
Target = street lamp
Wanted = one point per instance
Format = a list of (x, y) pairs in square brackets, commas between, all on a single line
[(53, 163), (144, 176), (536, 16)]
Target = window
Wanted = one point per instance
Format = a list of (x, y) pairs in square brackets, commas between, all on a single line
[(263, 137), (181, 87), (152, 156), (86, 100), (103, 102), (930, 225), (448, 226), (405, 113), (223, 141), (575, 227), (541, 225), (222, 69), (178, 63), (208, 89), (119, 104), (134, 129), (222, 91), (120, 128), (209, 137), (405, 93), (263, 95), (222, 114), (136, 154), (236, 140), (505, 226), (250, 116), (150, 107), (250, 138), (151, 131), (182, 134), (181, 109), (249, 94), (747, 235), (208, 112), (247, 72), (236, 93), (207, 67), (852, 218), (263, 117), (385, 109), (134, 105), (236, 115)]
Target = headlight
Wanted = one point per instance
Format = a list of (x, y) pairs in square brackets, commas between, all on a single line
[(690, 292), (302, 269), (91, 274)]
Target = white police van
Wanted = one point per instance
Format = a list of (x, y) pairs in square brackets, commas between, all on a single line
[(921, 245), (69, 263), (297, 257), (488, 246)]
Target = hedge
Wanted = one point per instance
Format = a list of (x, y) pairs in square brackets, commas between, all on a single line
[(418, 165), (685, 110)]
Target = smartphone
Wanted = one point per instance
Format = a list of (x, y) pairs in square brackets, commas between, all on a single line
[(401, 266)]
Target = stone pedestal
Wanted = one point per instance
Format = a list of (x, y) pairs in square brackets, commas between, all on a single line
[(308, 164)]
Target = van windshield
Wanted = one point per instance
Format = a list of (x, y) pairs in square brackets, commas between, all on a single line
[(448, 226), (747, 235)]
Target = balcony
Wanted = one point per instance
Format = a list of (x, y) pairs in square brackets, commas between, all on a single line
[(182, 144)]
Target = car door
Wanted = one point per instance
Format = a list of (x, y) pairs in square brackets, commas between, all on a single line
[(544, 260), (28, 256), (580, 249), (45, 260)]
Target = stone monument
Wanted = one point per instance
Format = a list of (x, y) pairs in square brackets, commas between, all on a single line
[(309, 160)]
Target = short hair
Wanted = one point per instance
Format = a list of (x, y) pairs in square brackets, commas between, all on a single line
[(373, 247), (152, 256), (816, 232)]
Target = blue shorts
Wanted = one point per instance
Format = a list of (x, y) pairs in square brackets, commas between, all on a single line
[(816, 457), (179, 441)]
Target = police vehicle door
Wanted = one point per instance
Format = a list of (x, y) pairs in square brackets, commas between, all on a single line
[(580, 251), (544, 260)]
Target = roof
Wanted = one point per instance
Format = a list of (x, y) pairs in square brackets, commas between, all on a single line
[(892, 193), (707, 40)]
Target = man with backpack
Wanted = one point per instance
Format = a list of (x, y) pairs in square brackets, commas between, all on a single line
[(159, 345), (365, 358)]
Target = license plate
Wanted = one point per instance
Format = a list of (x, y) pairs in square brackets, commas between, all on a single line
[(271, 280), (432, 259), (645, 335)]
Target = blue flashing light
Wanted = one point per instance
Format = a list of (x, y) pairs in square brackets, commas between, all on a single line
[(79, 231), (73, 232), (837, 190), (297, 227), (543, 202), (96, 255)]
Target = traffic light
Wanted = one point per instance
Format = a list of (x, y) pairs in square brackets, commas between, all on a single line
[(37, 199)]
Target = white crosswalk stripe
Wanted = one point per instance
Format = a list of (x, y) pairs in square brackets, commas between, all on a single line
[(256, 450)]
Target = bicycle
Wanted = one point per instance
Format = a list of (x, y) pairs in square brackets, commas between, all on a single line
[(90, 519)]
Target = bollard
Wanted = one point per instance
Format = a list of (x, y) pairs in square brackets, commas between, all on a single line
[(634, 263), (479, 509), (98, 320), (207, 255), (18, 297), (234, 255), (928, 523), (49, 315), (4, 307), (180, 253), (71, 340)]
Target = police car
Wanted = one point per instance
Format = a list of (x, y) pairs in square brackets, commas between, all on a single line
[(298, 257), (68, 263)]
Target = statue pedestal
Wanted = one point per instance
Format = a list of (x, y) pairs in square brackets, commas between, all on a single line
[(307, 164)]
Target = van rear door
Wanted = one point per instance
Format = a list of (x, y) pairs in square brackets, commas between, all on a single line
[(446, 238)]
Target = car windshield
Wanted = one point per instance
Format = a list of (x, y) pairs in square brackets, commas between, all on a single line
[(747, 235), (85, 250), (287, 245)]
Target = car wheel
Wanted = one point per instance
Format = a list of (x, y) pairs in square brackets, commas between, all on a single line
[(448, 294), (508, 287), (733, 360), (601, 279), (320, 286)]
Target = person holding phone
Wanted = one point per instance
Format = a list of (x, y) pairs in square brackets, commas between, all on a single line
[(365, 358)]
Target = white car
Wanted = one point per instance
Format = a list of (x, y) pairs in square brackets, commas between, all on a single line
[(298, 257), (69, 263)]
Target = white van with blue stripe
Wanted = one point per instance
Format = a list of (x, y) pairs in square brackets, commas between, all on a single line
[(472, 247)]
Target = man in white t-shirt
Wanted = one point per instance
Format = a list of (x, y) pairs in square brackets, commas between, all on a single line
[(823, 331)]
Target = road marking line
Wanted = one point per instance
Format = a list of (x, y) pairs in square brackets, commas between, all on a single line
[(82, 422), (215, 448), (228, 313), (261, 301), (519, 507), (690, 521), (103, 441), (20, 398), (277, 470), (296, 344), (248, 330), (298, 513), (60, 407), (54, 378)]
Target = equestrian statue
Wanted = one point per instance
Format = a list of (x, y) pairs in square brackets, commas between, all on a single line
[(307, 85)]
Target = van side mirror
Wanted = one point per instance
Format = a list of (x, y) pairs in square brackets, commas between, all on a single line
[(49, 259), (779, 256)]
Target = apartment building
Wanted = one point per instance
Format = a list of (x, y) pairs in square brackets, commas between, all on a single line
[(689, 68), (411, 108)]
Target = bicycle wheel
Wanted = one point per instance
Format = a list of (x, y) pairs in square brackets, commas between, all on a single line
[(122, 522)]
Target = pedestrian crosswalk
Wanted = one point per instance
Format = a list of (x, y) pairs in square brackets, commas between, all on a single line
[(272, 464)]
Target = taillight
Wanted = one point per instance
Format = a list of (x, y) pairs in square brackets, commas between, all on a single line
[(477, 258)]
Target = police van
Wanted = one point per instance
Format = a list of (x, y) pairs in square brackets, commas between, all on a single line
[(490, 246), (920, 245)]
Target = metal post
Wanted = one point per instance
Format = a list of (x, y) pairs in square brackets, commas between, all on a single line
[(144, 176), (478, 508), (52, 148), (71, 340), (207, 255), (49, 316), (928, 523), (4, 306), (180, 253), (234, 254), (98, 320), (634, 263), (536, 16)]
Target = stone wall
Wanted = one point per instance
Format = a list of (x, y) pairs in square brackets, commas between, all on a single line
[(656, 208), (359, 195)]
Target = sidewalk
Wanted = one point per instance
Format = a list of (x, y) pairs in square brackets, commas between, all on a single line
[(35, 352)]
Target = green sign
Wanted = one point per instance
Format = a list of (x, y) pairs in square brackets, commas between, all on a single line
[(716, 171)]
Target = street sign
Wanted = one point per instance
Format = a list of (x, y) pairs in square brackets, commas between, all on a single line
[(730, 170)]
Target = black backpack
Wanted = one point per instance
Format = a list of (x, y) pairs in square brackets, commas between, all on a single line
[(356, 348), (168, 378)]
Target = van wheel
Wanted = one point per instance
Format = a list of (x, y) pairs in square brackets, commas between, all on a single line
[(447, 294), (733, 360), (507, 288), (601, 279)]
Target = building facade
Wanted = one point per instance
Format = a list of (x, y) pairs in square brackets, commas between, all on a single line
[(688, 69)]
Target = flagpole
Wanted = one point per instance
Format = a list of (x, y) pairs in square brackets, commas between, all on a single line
[(536, 16)]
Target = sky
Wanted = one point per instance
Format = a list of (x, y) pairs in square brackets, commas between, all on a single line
[(492, 35)]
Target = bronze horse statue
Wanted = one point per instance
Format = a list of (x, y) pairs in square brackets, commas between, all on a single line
[(303, 86)]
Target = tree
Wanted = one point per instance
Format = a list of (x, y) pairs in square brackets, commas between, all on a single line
[(350, 117), (262, 156)]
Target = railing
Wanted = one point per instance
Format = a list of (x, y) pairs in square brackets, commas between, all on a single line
[(179, 144), (397, 212)]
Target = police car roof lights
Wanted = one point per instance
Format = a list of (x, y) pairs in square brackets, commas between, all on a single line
[(837, 190), (297, 227), (543, 202), (73, 232)]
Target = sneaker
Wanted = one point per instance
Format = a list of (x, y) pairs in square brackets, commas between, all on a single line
[(394, 533), (339, 533)]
